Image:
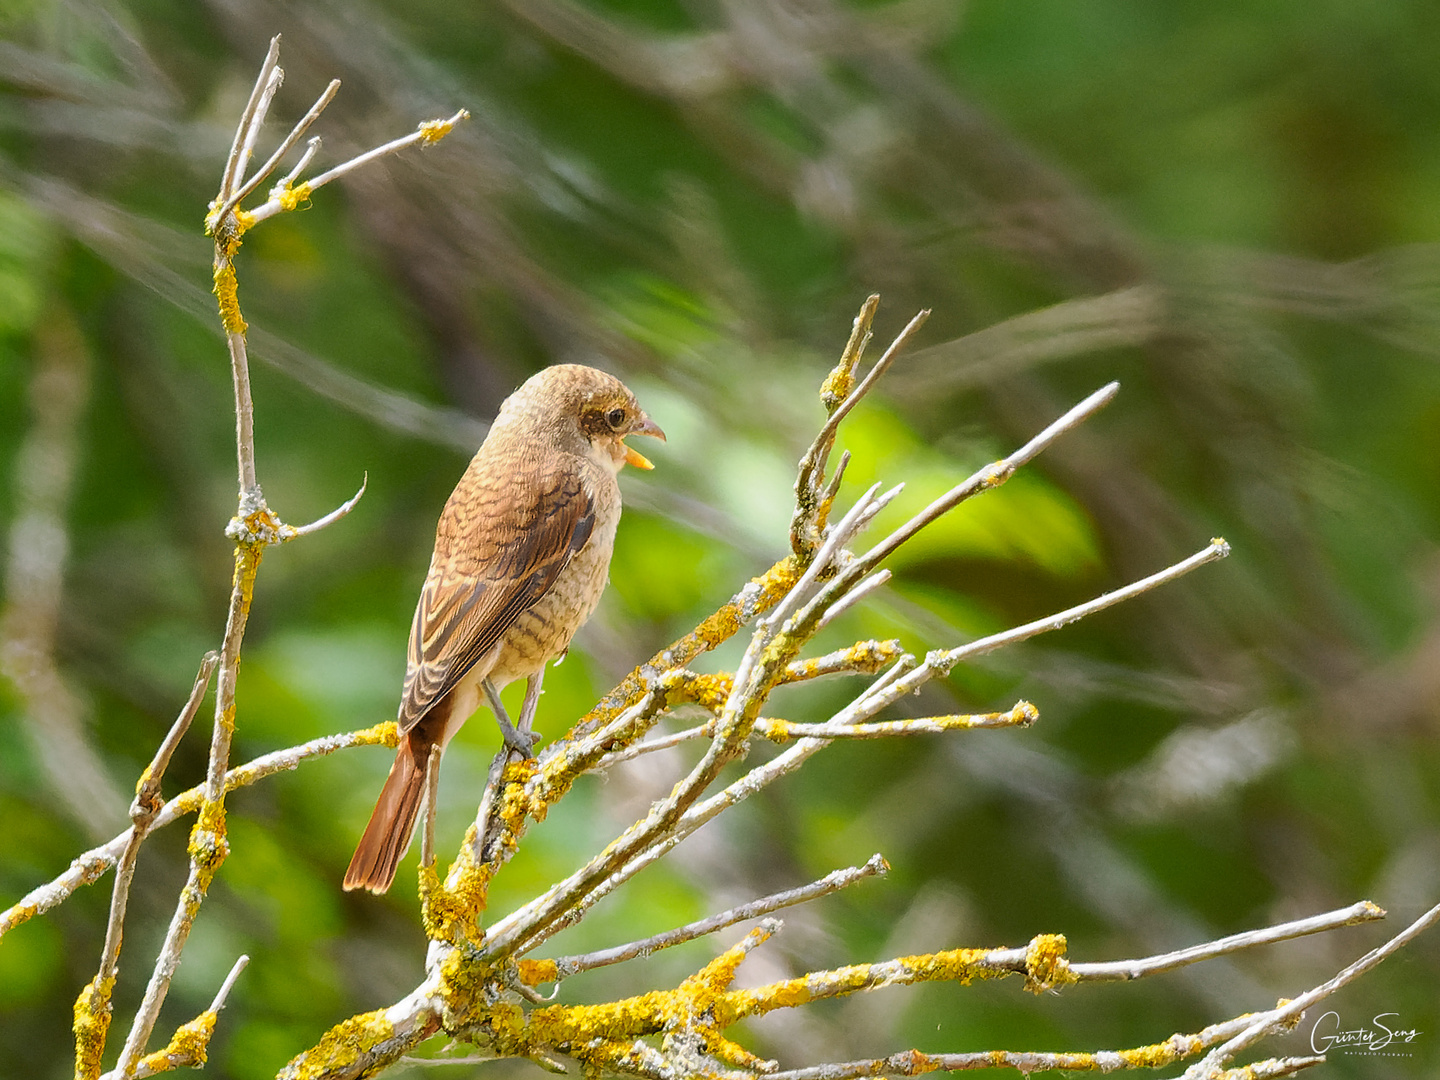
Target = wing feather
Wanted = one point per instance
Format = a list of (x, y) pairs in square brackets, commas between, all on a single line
[(498, 551)]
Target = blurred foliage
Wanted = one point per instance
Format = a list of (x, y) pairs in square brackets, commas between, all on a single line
[(1234, 207)]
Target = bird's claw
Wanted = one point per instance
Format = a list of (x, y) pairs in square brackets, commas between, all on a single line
[(520, 742)]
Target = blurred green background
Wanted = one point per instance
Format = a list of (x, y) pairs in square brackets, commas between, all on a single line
[(1232, 208)]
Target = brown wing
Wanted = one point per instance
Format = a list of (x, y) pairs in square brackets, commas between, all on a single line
[(498, 550)]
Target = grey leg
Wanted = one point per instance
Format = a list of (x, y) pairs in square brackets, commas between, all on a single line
[(532, 701), (522, 742)]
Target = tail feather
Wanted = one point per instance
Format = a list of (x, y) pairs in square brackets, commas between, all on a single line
[(387, 837)]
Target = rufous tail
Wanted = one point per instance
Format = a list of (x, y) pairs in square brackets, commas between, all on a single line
[(387, 836)]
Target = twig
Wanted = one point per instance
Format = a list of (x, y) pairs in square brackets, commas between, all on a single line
[(296, 134), (660, 742), (863, 589), (92, 1009), (836, 537), (810, 504), (1124, 970), (1264, 1023), (940, 662), (91, 866), (190, 1044), (1022, 715), (427, 132), (289, 532), (432, 794), (992, 475), (840, 399), (223, 994), (234, 164), (312, 147), (256, 120), (836, 880)]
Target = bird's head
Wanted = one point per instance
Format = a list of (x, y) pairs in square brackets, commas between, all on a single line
[(587, 411)]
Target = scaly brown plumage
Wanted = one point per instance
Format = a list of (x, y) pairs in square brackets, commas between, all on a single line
[(522, 554)]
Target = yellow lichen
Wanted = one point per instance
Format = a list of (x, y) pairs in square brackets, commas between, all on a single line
[(535, 972), (1159, 1055), (343, 1045), (208, 845), (1045, 963), (188, 1047), (292, 197), (432, 131), (382, 734), (227, 292), (20, 913), (92, 1023), (451, 912)]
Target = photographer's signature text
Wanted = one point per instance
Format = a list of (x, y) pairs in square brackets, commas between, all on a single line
[(1383, 1035)]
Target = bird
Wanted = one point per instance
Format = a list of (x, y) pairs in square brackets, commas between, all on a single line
[(522, 555)]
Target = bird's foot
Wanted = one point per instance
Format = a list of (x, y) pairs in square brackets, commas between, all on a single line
[(517, 741)]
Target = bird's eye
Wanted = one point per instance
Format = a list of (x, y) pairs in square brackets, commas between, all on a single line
[(615, 417)]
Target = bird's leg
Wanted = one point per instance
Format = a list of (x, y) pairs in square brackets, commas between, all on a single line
[(521, 743), (532, 701)]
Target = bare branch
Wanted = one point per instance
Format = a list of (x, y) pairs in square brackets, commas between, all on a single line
[(312, 147), (1022, 715), (432, 792), (429, 132), (92, 1009), (234, 164), (992, 475), (863, 589), (940, 662), (1263, 1024), (91, 866), (836, 880), (296, 134), (288, 532), (1124, 970)]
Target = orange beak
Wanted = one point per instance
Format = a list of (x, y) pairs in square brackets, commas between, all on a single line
[(646, 426)]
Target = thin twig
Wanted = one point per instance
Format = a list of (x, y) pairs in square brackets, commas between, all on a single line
[(223, 994), (89, 867), (1124, 970), (432, 798), (230, 177), (425, 133), (836, 880), (256, 122), (940, 662), (296, 134), (863, 589), (312, 147), (290, 532), (190, 1044), (991, 475), (1266, 1022), (840, 403), (836, 537), (143, 812), (810, 504), (1022, 715), (660, 742)]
